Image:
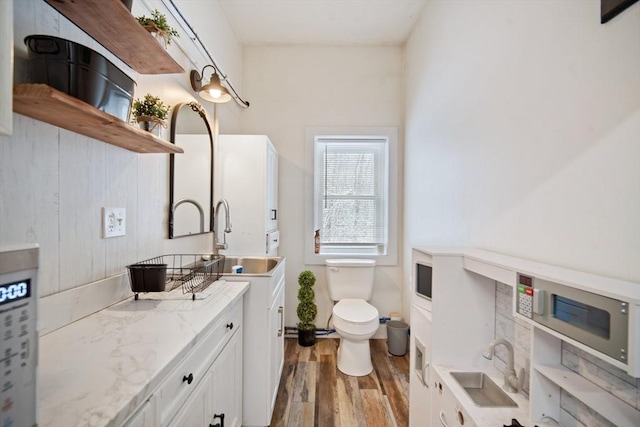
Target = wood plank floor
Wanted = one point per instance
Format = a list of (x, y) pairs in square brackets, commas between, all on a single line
[(314, 393)]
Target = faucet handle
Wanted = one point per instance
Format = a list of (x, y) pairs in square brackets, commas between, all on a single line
[(513, 382)]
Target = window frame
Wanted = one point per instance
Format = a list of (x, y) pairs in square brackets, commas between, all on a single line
[(390, 254)]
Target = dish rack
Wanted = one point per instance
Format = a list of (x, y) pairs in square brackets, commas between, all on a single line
[(192, 272)]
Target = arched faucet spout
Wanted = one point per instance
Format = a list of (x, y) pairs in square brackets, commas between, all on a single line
[(227, 226)]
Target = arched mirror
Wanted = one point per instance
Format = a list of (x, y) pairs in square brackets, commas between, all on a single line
[(190, 173)]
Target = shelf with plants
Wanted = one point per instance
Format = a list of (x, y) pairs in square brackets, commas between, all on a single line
[(122, 35), (49, 105)]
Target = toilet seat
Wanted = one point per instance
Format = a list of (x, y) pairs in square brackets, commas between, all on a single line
[(355, 317)]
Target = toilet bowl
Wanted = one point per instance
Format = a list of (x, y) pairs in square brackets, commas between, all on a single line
[(350, 285), (356, 321)]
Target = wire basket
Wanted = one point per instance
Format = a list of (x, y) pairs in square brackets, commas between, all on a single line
[(192, 272)]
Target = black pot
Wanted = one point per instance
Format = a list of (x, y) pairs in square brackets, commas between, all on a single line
[(80, 72), (306, 338)]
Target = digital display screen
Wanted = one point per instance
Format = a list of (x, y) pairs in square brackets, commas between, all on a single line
[(15, 291), (424, 275)]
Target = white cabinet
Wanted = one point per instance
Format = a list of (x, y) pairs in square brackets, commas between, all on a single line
[(205, 384), (263, 345), (420, 371), (276, 345), (225, 382), (217, 397), (246, 171), (446, 410), (196, 411)]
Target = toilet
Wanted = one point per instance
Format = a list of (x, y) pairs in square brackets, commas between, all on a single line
[(350, 285)]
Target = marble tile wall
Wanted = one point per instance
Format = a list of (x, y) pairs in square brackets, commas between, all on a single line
[(573, 413), (517, 332)]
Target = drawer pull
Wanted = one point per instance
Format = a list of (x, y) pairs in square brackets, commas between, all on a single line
[(188, 379), (221, 423), (230, 325), (281, 313)]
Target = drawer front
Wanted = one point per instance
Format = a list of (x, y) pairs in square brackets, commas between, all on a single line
[(183, 380)]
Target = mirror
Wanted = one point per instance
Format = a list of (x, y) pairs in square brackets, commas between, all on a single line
[(190, 173)]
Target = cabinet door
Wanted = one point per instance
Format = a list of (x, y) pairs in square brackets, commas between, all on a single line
[(276, 344), (419, 376), (226, 383), (194, 413), (272, 189)]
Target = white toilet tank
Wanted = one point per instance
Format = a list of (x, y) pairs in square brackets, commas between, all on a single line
[(350, 278)]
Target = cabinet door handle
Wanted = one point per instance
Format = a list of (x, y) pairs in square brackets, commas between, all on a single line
[(281, 313), (188, 379), (274, 214), (425, 375), (230, 325), (221, 423), (442, 420)]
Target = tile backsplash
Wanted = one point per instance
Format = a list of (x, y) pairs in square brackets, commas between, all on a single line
[(573, 413)]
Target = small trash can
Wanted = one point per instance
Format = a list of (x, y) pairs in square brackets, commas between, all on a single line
[(397, 333)]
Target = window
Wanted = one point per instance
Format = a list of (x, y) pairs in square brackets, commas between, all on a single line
[(350, 193), (350, 202)]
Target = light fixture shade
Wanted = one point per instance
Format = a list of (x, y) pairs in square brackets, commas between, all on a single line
[(214, 91)]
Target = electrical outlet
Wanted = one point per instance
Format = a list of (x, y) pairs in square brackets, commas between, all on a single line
[(113, 222)]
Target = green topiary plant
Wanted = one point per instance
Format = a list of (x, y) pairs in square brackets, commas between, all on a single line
[(150, 106), (150, 113), (157, 24), (307, 309)]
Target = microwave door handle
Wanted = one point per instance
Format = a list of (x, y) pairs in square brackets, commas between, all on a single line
[(538, 301)]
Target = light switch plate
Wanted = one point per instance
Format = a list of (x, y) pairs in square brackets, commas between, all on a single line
[(113, 222)]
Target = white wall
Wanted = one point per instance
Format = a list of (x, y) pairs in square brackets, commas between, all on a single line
[(53, 183), (523, 132), (295, 87)]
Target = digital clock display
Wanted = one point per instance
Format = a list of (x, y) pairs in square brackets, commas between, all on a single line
[(10, 292)]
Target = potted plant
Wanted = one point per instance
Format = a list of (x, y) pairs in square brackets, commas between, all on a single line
[(158, 26), (150, 113), (307, 309)]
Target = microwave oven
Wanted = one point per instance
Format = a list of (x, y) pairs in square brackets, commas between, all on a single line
[(596, 321), (422, 278)]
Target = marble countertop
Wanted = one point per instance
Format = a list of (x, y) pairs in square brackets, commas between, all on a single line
[(488, 417), (98, 370)]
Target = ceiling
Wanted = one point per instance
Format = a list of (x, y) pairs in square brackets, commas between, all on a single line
[(322, 22)]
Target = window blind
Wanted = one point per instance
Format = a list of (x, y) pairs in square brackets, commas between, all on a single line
[(351, 181)]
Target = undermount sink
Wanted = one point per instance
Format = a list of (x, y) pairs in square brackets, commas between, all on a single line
[(482, 390), (250, 265)]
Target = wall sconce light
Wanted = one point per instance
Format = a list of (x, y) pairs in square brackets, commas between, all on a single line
[(212, 91)]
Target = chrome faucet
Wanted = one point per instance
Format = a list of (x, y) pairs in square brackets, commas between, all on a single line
[(227, 226), (512, 383), (192, 202)]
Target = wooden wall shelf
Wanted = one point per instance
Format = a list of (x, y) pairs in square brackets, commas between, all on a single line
[(49, 105), (121, 34)]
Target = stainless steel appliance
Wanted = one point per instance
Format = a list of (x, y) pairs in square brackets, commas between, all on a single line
[(19, 335), (597, 321)]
